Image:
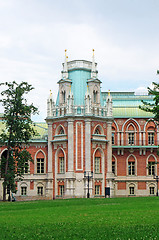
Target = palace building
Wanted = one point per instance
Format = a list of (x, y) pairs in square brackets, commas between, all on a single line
[(93, 142)]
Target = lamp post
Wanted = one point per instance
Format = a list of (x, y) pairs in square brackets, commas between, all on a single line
[(88, 176), (156, 178)]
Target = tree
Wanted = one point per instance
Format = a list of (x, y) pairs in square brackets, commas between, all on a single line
[(18, 131), (152, 107)]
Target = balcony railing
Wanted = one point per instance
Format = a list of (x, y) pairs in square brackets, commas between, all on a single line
[(136, 143), (79, 110)]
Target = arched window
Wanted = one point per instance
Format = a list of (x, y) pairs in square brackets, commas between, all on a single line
[(131, 189), (151, 135), (131, 166), (151, 165), (23, 189), (40, 162), (63, 96), (152, 189), (61, 189), (97, 162), (95, 96), (113, 165), (97, 131), (40, 189), (60, 130), (61, 162), (131, 134)]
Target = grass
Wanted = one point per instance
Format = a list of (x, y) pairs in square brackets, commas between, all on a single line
[(118, 218)]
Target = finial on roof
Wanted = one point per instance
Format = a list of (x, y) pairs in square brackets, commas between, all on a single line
[(109, 92), (50, 93), (65, 68), (93, 72)]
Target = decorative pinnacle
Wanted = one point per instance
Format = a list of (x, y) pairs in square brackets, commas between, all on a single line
[(50, 93), (65, 51), (93, 51), (109, 92)]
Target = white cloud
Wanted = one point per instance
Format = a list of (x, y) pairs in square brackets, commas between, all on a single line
[(34, 36)]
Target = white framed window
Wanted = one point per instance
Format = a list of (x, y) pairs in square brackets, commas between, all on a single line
[(40, 191), (151, 168), (131, 168), (62, 165), (61, 190), (97, 164), (131, 136), (131, 190), (23, 191), (40, 165), (151, 138), (97, 189), (152, 190)]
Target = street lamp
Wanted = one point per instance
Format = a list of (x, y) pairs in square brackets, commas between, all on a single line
[(88, 175), (156, 178)]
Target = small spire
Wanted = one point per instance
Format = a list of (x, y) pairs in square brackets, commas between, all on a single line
[(65, 69), (109, 92), (50, 93), (93, 72)]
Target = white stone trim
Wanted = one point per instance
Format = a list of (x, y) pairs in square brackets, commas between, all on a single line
[(155, 159), (57, 129), (103, 168), (100, 127), (35, 162), (127, 171), (56, 168)]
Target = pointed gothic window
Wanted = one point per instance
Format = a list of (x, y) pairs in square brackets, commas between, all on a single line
[(95, 96)]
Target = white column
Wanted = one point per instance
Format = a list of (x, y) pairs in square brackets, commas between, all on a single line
[(49, 184), (109, 147), (70, 176), (87, 145), (109, 174)]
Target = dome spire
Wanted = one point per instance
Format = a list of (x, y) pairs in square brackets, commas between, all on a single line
[(65, 68), (93, 72)]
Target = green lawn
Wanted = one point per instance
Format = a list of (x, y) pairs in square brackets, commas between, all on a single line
[(118, 218)]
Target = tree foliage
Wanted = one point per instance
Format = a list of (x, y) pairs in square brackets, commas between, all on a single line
[(152, 107), (18, 131)]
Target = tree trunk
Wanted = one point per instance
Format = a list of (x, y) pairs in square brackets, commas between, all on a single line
[(4, 193)]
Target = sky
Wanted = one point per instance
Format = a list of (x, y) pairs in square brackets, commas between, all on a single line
[(35, 33)]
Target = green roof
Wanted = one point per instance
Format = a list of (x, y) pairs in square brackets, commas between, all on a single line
[(40, 128), (126, 104)]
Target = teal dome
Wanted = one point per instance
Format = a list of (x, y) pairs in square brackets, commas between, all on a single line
[(79, 78)]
